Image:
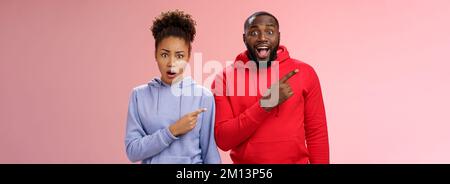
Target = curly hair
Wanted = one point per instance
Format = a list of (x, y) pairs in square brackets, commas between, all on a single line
[(174, 23)]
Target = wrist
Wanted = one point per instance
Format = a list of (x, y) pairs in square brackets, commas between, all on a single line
[(173, 131), (267, 109)]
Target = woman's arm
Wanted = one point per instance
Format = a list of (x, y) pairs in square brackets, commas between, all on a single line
[(139, 145), (210, 154)]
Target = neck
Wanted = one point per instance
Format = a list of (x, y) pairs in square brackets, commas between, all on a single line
[(174, 81)]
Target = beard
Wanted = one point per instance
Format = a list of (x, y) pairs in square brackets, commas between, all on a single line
[(263, 64)]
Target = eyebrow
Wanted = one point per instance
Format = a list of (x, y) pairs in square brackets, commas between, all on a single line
[(175, 51), (268, 25)]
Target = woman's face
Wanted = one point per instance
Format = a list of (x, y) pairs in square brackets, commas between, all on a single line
[(172, 54)]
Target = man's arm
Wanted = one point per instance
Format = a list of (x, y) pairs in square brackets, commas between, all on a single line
[(232, 129), (315, 122)]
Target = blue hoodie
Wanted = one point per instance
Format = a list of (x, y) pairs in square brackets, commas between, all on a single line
[(154, 107)]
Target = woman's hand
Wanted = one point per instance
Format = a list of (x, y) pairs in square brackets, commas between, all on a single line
[(186, 123)]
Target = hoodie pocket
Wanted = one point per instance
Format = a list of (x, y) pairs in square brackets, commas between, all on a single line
[(276, 151), (171, 160)]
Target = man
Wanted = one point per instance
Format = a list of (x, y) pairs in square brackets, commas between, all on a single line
[(286, 124)]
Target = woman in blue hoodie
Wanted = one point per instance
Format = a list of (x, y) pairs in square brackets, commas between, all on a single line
[(171, 119)]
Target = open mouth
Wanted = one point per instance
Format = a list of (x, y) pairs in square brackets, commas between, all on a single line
[(262, 52), (171, 74)]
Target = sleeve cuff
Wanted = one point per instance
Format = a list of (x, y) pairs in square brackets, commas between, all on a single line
[(167, 137)]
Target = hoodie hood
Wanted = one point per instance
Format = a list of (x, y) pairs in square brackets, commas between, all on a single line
[(185, 82), (163, 87)]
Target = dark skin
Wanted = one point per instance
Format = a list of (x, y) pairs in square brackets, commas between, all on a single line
[(262, 38), (262, 32), (280, 89)]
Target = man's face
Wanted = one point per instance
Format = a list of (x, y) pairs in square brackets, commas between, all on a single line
[(262, 38)]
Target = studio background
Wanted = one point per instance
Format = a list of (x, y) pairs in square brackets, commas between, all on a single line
[(67, 69)]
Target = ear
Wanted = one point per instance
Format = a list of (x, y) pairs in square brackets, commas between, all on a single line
[(243, 37)]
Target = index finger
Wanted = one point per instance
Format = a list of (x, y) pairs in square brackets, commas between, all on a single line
[(198, 111), (289, 75)]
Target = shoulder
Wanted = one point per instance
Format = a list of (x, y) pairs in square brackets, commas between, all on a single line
[(206, 94), (307, 72), (140, 89), (305, 69), (302, 65), (204, 91)]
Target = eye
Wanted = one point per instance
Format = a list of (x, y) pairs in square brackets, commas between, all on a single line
[(254, 33), (164, 55), (180, 56), (270, 32)]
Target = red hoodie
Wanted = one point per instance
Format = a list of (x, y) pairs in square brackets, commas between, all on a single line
[(293, 132)]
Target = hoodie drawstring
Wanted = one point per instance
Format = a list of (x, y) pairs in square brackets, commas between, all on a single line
[(161, 86), (157, 100), (181, 102)]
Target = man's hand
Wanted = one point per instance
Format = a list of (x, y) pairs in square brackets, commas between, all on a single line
[(278, 92), (186, 123)]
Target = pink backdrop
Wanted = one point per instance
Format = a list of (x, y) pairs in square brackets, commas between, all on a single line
[(67, 69)]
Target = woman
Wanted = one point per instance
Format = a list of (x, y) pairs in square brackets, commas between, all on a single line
[(167, 122)]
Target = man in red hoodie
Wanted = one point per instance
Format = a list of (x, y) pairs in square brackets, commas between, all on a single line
[(286, 124)]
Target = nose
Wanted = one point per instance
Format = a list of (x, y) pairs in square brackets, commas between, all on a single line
[(171, 62), (262, 37)]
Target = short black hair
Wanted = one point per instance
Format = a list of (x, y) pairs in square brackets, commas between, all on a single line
[(259, 13), (174, 23)]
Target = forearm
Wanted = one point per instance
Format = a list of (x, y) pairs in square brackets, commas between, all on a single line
[(143, 147), (232, 131)]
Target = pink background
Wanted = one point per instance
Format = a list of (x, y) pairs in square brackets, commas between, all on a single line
[(67, 69)]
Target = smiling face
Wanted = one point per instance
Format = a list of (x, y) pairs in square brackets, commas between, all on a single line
[(262, 38), (172, 54)]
